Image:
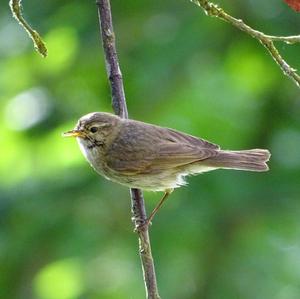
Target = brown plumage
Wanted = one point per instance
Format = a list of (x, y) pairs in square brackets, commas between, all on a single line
[(141, 155)]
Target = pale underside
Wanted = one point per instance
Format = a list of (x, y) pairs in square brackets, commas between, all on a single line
[(160, 181)]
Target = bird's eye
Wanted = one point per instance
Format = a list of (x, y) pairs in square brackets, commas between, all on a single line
[(93, 129)]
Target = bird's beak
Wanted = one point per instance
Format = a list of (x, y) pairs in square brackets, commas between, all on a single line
[(73, 133)]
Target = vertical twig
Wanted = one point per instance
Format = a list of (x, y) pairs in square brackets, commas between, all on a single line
[(119, 106)]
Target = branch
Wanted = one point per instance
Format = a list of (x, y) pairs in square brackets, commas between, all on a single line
[(119, 106), (213, 10), (39, 45)]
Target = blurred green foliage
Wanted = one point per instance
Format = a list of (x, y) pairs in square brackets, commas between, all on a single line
[(65, 233)]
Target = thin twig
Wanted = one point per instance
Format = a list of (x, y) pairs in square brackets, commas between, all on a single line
[(212, 9), (119, 106), (39, 45), (286, 39)]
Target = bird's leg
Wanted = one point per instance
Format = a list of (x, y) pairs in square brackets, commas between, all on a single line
[(155, 210)]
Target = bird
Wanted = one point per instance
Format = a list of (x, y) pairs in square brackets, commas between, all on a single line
[(154, 158)]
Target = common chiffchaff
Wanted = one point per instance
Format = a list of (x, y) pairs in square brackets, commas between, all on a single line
[(149, 157)]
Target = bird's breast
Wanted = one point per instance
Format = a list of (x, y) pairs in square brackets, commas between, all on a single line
[(95, 156)]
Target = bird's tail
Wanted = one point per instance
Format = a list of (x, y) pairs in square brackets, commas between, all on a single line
[(251, 160)]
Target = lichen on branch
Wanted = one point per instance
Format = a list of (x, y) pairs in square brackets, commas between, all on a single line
[(39, 45)]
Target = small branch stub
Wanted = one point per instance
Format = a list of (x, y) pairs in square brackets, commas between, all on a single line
[(39, 45)]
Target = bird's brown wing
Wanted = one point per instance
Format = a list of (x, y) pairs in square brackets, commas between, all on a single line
[(140, 151), (172, 155), (176, 136)]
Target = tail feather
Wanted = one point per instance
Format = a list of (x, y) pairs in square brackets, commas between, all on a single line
[(251, 160)]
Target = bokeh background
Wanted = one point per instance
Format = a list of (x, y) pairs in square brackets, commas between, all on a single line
[(66, 233)]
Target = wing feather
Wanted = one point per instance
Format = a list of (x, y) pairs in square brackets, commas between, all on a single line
[(145, 149)]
